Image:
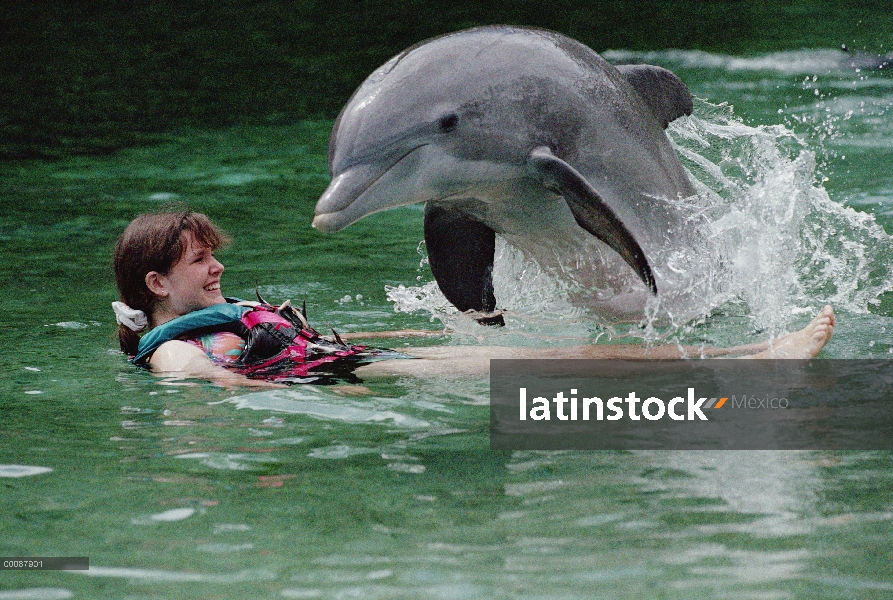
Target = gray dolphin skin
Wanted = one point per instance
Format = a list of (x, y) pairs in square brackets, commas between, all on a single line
[(531, 135)]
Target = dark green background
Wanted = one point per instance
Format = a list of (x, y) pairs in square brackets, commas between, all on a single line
[(93, 76)]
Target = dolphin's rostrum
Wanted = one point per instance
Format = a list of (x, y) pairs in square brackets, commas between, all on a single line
[(531, 135)]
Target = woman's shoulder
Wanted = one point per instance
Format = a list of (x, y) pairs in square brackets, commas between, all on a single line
[(175, 355)]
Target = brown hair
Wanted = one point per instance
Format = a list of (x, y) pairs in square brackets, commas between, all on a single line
[(154, 242)]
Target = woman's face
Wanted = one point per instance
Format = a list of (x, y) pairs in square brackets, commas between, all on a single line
[(194, 281)]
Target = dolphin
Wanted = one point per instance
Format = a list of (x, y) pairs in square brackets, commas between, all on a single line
[(531, 135)]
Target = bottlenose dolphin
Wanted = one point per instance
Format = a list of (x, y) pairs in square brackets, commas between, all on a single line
[(531, 135)]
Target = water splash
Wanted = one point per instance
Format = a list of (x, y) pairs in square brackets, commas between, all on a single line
[(535, 302), (781, 247), (789, 248)]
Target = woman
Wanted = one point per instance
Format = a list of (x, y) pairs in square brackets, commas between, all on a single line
[(169, 284)]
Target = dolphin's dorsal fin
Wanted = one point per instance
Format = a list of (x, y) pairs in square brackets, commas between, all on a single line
[(664, 93)]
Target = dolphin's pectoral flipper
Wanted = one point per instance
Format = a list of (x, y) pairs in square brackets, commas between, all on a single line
[(460, 252), (591, 213), (664, 93)]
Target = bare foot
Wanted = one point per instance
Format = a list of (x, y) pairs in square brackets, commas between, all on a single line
[(805, 343)]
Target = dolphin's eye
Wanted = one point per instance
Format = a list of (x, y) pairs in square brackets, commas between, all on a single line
[(448, 122)]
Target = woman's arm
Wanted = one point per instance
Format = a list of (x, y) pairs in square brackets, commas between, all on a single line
[(185, 361)]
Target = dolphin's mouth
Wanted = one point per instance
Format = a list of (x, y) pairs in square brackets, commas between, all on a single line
[(344, 202)]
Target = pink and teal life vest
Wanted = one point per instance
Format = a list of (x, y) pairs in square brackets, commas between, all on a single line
[(279, 344)]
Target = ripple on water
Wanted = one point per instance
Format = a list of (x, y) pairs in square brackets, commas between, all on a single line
[(22, 470), (224, 548), (302, 593), (339, 451), (71, 325), (168, 516), (229, 461), (159, 575), (237, 179), (231, 528), (36, 594), (787, 62), (306, 403), (164, 196)]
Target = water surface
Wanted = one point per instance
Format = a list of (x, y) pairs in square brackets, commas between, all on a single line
[(195, 491)]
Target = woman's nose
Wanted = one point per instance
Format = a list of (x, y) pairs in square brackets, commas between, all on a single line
[(216, 266)]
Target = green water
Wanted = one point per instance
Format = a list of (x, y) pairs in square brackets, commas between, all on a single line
[(192, 491)]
